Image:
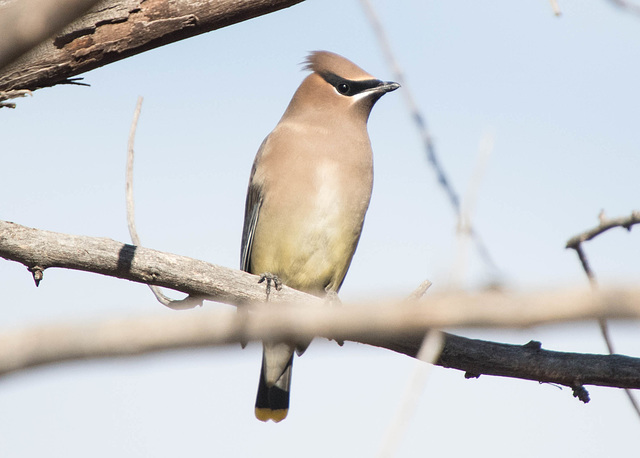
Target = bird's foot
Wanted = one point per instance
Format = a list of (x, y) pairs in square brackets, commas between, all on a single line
[(270, 278)]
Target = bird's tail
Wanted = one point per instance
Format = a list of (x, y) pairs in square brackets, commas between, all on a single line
[(272, 401)]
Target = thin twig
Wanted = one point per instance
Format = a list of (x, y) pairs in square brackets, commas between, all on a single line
[(464, 229), (555, 7), (420, 291), (585, 266), (189, 302), (133, 233), (575, 243), (430, 351), (471, 196), (626, 222), (421, 125), (432, 343), (416, 382), (627, 6)]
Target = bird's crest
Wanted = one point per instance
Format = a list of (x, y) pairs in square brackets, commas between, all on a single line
[(323, 62)]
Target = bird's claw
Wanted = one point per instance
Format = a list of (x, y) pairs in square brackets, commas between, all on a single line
[(270, 278)]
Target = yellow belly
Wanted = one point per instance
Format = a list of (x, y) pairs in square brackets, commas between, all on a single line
[(311, 255)]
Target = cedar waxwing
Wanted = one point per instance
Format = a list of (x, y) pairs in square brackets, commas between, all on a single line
[(308, 193)]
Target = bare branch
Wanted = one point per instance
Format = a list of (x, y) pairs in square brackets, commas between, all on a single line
[(585, 266), (35, 346), (420, 291), (626, 222), (576, 244), (44, 249), (184, 304), (114, 30), (429, 352), (131, 213), (399, 326), (464, 230), (425, 135)]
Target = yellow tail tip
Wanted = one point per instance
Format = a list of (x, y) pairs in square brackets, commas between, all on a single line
[(276, 415)]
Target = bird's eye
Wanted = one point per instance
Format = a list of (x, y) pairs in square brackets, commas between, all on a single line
[(343, 88)]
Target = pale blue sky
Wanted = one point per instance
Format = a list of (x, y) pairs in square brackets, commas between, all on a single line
[(562, 99)]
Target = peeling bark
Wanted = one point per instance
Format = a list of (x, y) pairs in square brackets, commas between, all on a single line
[(115, 30)]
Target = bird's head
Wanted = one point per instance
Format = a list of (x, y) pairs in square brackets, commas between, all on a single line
[(339, 86)]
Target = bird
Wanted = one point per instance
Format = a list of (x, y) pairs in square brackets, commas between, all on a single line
[(308, 193)]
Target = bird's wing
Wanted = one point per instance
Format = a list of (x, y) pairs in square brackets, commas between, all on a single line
[(251, 213)]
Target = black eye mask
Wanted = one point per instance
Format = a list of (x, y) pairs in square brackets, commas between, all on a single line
[(349, 87)]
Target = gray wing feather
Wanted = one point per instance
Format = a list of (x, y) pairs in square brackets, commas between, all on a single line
[(251, 212)]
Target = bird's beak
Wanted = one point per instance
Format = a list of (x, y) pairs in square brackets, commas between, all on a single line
[(387, 86)]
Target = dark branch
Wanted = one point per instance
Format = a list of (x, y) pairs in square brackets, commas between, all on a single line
[(625, 222), (529, 361), (576, 244)]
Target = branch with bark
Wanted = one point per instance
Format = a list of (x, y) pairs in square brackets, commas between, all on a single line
[(40, 345), (626, 222), (293, 315), (114, 30), (575, 243)]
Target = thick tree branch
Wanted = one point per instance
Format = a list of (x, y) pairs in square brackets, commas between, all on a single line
[(399, 327), (114, 30), (35, 346), (39, 250)]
